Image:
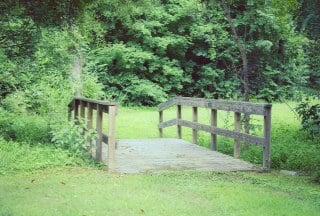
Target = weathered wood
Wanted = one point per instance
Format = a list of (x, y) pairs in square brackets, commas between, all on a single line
[(90, 126), (235, 106), (222, 132), (99, 145), (167, 104), (169, 123), (267, 140), (214, 124), (160, 121), (82, 110), (112, 137), (99, 102), (237, 128), (179, 116), (195, 119), (76, 111)]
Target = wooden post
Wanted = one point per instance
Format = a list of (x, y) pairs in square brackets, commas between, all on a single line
[(179, 132), (267, 139), (76, 111), (82, 110), (160, 121), (195, 119), (112, 137), (237, 128), (99, 146), (90, 124), (214, 121)]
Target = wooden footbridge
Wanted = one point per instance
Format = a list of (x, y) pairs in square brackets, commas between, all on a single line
[(149, 155)]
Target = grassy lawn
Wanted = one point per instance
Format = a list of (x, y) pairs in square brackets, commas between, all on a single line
[(81, 191), (42, 180)]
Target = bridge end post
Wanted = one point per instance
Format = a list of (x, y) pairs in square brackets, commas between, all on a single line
[(267, 139), (160, 121), (112, 137)]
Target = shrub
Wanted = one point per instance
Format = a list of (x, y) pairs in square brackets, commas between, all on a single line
[(310, 118), (24, 127), (75, 138)]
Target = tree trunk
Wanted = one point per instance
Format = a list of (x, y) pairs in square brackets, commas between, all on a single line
[(243, 53)]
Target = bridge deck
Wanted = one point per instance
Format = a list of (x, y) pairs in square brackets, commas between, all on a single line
[(151, 155)]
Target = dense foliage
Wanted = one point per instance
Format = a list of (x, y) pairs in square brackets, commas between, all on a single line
[(310, 117), (142, 52)]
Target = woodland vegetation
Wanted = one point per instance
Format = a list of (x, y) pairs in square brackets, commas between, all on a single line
[(140, 53)]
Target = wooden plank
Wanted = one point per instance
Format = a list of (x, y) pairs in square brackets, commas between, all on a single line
[(234, 106), (267, 141), (99, 146), (103, 103), (195, 119), (237, 128), (167, 104), (160, 121), (223, 132), (169, 123), (112, 137), (179, 116), (214, 124)]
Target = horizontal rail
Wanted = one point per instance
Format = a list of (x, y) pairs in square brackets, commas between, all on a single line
[(225, 105), (214, 130), (93, 103), (167, 104), (169, 123)]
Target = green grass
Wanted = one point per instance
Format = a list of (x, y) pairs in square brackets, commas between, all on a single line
[(21, 157), (92, 192), (42, 180)]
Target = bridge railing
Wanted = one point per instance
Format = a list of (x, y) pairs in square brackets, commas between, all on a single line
[(233, 106), (83, 108)]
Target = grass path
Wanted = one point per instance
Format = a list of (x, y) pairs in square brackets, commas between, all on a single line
[(81, 191)]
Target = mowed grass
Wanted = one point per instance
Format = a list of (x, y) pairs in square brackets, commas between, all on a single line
[(39, 180), (79, 191)]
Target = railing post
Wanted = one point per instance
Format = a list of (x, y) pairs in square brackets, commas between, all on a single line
[(160, 121), (195, 119), (267, 139), (99, 146), (237, 128), (112, 137), (82, 110), (179, 115), (76, 111), (90, 123), (214, 121)]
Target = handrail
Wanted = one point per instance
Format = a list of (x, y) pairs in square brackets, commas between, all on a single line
[(226, 105), (83, 109), (235, 106)]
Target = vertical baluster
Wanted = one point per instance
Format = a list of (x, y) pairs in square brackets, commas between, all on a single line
[(76, 111), (237, 128), (195, 119), (214, 125), (90, 123), (179, 115)]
